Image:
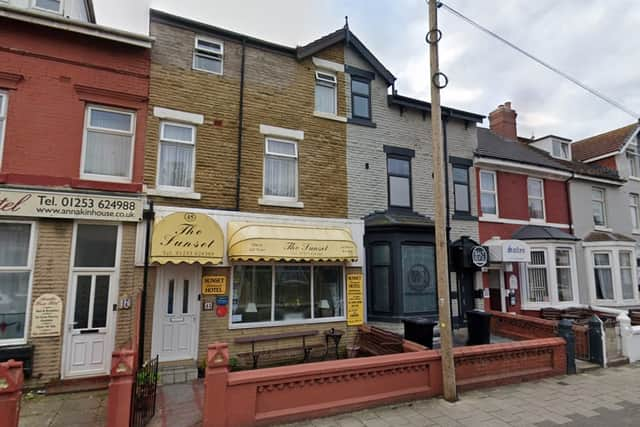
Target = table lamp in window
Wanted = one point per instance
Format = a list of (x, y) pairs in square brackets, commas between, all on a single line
[(325, 309), (251, 308)]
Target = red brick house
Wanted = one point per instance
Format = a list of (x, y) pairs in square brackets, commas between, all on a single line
[(73, 110), (526, 216)]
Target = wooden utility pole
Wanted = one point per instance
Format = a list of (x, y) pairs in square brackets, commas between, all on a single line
[(440, 194)]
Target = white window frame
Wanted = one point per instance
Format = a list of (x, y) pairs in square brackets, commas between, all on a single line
[(4, 110), (493, 192), (634, 282), (171, 188), (327, 82), (613, 250), (634, 207), (633, 159), (312, 320), (28, 268), (34, 5), (266, 197), (560, 144), (604, 206), (530, 197), (209, 53), (552, 279), (131, 133)]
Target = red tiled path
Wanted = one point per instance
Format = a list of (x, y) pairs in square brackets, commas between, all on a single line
[(179, 405)]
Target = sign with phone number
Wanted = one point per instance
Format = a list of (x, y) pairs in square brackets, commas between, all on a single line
[(69, 205)]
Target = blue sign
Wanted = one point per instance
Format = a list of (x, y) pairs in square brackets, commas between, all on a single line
[(222, 300)]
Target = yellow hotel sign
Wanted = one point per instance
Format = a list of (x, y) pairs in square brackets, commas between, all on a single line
[(214, 285), (187, 237), (355, 299)]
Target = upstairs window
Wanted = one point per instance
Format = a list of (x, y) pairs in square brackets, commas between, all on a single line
[(633, 156), (598, 207), (281, 169), (3, 121), (177, 156), (461, 197), (48, 5), (108, 144), (535, 192), (634, 205), (360, 98), (208, 55), (561, 150), (488, 193), (326, 100), (399, 181)]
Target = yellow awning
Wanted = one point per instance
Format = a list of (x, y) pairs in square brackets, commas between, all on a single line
[(186, 237), (281, 242)]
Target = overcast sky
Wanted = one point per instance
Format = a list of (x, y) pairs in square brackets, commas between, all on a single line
[(595, 41)]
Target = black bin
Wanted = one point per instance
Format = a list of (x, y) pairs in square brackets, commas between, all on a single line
[(420, 331), (479, 327)]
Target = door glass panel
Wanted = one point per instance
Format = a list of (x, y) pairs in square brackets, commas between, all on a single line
[(100, 302), (83, 295), (185, 297), (381, 289), (418, 278), (170, 297)]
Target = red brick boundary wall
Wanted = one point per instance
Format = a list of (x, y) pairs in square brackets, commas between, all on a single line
[(11, 382), (289, 393)]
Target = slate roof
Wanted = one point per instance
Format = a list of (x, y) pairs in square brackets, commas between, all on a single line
[(605, 143), (397, 217), (497, 147), (607, 236), (541, 232)]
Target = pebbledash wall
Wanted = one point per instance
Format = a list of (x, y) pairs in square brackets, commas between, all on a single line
[(401, 125), (52, 69), (278, 103)]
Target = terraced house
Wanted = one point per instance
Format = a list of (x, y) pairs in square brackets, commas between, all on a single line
[(246, 166), (73, 109)]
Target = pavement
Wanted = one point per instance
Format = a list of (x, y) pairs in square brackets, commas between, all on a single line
[(604, 397)]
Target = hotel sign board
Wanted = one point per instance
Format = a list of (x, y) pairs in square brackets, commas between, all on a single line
[(51, 204), (355, 299)]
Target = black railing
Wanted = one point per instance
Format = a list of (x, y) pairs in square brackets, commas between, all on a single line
[(143, 405)]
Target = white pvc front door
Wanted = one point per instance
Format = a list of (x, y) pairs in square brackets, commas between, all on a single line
[(175, 331), (89, 334)]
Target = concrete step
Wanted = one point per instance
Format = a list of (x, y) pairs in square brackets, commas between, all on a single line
[(617, 361), (584, 366), (177, 373)]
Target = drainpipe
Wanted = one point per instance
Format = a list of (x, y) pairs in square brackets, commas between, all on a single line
[(148, 216), (568, 192), (240, 124)]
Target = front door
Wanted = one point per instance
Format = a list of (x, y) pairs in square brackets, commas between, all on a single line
[(90, 332), (176, 313), (465, 291), (495, 290)]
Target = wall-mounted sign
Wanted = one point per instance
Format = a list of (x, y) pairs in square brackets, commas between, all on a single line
[(355, 299), (222, 300), (508, 250), (486, 293), (47, 316), (69, 205), (479, 256), (214, 285), (207, 306), (187, 237), (513, 281), (221, 310)]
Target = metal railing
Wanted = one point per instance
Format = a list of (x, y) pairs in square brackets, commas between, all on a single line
[(143, 405)]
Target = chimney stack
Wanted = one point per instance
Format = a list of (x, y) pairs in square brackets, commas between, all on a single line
[(502, 121)]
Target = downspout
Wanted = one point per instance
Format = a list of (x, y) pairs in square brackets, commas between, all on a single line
[(568, 192), (148, 216), (240, 124)]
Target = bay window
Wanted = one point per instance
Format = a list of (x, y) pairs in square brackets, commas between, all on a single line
[(614, 274), (564, 274), (281, 169), (603, 275), (108, 144), (16, 267), (538, 289), (551, 276), (626, 275), (176, 161), (287, 293)]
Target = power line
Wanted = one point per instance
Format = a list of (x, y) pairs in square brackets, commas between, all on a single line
[(575, 81)]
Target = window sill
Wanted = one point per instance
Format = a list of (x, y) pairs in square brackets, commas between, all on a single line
[(286, 323), (635, 232), (601, 228), (173, 194), (330, 116), (265, 201), (105, 178), (464, 217), (361, 122), (634, 178)]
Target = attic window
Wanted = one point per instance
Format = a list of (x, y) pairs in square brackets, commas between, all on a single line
[(633, 155), (561, 150), (208, 55), (48, 5)]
